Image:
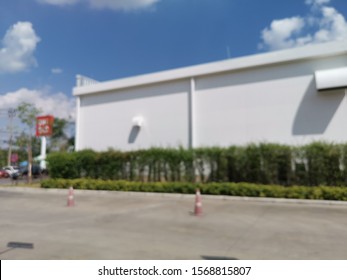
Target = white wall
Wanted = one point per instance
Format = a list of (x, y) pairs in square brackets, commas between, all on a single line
[(272, 104), (106, 118)]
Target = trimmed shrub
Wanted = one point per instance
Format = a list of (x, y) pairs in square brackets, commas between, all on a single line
[(229, 189), (315, 164), (323, 164), (63, 165)]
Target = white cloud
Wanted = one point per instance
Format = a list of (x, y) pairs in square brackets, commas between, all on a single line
[(317, 2), (122, 4), (333, 26), (322, 24), (56, 104), (106, 4), (56, 71), (58, 2), (279, 34), (18, 46)]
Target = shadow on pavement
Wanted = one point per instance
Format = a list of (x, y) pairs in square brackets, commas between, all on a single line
[(14, 245), (219, 258)]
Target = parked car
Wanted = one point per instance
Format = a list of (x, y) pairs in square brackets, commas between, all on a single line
[(11, 170), (4, 174), (36, 171)]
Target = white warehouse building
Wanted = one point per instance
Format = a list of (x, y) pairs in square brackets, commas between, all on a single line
[(293, 96)]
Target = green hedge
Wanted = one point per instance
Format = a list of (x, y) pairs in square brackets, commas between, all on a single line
[(232, 189), (311, 165)]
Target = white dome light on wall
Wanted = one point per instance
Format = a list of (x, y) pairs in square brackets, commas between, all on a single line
[(138, 121)]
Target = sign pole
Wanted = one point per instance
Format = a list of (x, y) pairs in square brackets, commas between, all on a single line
[(44, 128), (11, 115), (43, 152)]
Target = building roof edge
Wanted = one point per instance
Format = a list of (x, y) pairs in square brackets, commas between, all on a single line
[(234, 64)]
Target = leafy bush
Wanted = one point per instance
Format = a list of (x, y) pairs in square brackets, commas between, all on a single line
[(315, 164), (323, 162), (229, 189), (63, 165)]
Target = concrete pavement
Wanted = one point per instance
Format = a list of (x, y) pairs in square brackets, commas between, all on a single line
[(118, 225)]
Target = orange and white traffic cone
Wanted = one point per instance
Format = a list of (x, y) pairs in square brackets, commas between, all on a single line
[(198, 203), (70, 198)]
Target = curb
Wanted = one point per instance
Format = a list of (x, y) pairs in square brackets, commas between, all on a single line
[(180, 196)]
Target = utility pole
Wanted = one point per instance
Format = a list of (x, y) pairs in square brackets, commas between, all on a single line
[(11, 115)]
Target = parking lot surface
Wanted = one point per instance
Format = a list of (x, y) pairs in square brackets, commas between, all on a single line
[(118, 225)]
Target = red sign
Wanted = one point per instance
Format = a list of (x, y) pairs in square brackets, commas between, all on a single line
[(44, 125), (14, 157)]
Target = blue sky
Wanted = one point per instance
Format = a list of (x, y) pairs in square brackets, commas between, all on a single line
[(45, 43)]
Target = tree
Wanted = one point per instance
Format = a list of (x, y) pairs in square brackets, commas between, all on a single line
[(21, 142), (27, 113), (59, 126), (59, 139)]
